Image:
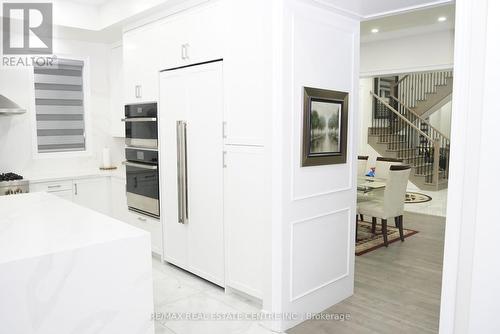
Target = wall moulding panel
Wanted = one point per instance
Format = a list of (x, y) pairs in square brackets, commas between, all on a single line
[(315, 181), (317, 233), (320, 49)]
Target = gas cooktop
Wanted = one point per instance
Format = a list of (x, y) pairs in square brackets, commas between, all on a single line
[(10, 177), (11, 184)]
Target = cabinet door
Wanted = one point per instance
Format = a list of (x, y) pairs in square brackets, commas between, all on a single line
[(93, 194), (140, 64), (192, 37), (205, 34), (193, 95), (116, 91), (248, 73), (245, 210), (172, 42)]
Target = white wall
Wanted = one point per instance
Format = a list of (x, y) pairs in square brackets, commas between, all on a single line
[(365, 120), (441, 119), (420, 52), (470, 300), (315, 233), (17, 132)]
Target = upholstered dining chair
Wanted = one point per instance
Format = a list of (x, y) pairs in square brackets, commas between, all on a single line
[(362, 165), (392, 204), (382, 166)]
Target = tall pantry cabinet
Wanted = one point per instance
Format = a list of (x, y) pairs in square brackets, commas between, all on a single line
[(224, 105)]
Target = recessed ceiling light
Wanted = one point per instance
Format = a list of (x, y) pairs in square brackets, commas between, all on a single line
[(374, 30), (442, 18)]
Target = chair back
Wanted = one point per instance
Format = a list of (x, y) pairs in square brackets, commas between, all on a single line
[(383, 165), (395, 190), (362, 165)]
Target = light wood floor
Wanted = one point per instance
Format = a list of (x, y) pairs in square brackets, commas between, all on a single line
[(396, 290)]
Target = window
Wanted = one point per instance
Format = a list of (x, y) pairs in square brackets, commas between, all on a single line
[(60, 117)]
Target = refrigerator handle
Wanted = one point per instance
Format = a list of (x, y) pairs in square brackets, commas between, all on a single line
[(182, 189)]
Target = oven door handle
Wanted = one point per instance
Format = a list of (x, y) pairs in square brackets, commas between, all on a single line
[(139, 119), (144, 166)]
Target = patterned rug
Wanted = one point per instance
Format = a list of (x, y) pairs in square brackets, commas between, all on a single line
[(367, 242), (413, 198)]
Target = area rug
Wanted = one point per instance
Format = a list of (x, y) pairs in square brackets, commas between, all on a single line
[(368, 242), (412, 198)]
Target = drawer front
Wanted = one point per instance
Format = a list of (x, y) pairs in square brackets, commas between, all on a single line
[(51, 186), (152, 226)]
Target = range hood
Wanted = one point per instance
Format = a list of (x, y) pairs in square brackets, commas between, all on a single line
[(9, 107)]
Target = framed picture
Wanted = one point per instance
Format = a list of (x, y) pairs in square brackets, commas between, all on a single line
[(325, 127)]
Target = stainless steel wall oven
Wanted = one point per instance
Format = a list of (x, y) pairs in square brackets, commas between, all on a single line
[(141, 130)]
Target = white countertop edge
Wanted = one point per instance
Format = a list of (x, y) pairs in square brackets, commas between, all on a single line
[(140, 234), (78, 175)]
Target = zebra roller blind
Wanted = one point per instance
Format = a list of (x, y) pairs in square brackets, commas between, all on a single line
[(60, 114)]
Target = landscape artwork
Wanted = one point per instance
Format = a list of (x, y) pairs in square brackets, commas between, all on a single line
[(325, 130), (324, 136)]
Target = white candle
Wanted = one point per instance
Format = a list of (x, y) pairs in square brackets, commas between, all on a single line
[(106, 159)]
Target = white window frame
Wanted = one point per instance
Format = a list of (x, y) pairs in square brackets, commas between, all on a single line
[(87, 97)]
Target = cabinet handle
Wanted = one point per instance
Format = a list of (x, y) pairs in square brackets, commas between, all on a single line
[(76, 189), (224, 129), (142, 219), (53, 187), (224, 155), (184, 51), (182, 181), (138, 92)]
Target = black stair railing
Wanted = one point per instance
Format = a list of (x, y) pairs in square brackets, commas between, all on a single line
[(406, 139), (432, 132)]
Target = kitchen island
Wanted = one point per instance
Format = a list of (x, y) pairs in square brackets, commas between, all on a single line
[(68, 269)]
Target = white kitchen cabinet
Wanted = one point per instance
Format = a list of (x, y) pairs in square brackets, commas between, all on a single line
[(51, 186), (190, 123), (244, 218), (248, 72), (93, 193), (140, 64), (106, 195), (120, 211), (195, 36), (116, 91)]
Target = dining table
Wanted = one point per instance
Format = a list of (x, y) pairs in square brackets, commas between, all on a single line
[(370, 188)]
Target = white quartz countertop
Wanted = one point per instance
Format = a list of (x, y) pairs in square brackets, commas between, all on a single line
[(37, 224), (35, 177)]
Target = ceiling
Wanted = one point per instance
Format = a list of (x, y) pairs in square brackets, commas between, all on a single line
[(367, 9), (418, 19), (92, 2)]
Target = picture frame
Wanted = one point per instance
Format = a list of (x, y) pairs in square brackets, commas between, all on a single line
[(325, 126)]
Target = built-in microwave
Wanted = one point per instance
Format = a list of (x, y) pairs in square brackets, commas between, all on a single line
[(141, 125)]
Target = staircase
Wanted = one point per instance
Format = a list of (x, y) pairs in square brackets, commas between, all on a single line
[(425, 93), (398, 131)]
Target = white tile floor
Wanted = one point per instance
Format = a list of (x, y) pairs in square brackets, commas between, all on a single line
[(436, 207), (176, 291)]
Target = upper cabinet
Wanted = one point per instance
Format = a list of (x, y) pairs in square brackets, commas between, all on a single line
[(193, 37), (235, 31), (140, 64)]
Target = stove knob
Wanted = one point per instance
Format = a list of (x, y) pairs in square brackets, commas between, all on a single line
[(8, 192)]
